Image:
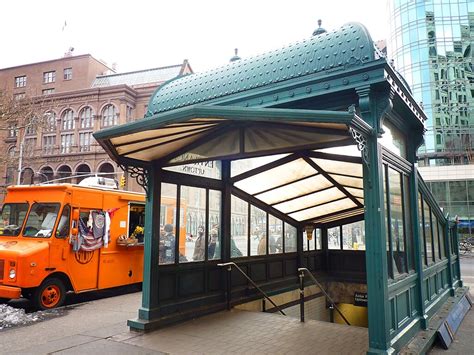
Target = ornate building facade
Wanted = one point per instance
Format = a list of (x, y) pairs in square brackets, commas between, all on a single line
[(85, 95)]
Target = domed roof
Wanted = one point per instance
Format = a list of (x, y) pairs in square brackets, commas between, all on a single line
[(349, 46)]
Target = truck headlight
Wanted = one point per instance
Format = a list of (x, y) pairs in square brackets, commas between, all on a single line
[(12, 274)]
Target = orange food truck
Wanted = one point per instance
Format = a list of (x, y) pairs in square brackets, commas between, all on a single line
[(65, 237)]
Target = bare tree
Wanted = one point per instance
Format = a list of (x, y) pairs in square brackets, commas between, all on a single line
[(20, 114)]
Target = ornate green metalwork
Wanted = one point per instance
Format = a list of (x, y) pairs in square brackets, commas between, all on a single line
[(350, 46)]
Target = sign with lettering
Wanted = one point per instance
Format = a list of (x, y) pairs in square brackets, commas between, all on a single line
[(360, 299), (453, 321)]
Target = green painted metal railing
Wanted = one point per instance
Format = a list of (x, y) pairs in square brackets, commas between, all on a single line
[(229, 269), (302, 270)]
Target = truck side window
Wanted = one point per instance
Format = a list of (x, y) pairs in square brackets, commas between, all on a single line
[(64, 223)]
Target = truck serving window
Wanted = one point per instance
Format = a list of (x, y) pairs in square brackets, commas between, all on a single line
[(13, 215), (41, 220)]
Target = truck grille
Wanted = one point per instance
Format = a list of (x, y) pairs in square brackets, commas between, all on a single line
[(2, 266)]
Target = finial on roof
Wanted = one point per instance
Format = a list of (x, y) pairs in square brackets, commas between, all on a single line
[(235, 57), (319, 30)]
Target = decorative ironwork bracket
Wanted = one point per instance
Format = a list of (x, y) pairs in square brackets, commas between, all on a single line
[(138, 173), (361, 142)]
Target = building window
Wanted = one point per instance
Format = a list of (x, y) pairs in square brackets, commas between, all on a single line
[(86, 117), (50, 121), (12, 131), (10, 176), (48, 144), (49, 77), (129, 113), (67, 140), (20, 81), (68, 120), (85, 139), (48, 91), (67, 73), (109, 116), (19, 96), (29, 148), (30, 129)]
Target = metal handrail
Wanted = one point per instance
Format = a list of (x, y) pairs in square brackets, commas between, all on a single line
[(230, 264), (302, 270)]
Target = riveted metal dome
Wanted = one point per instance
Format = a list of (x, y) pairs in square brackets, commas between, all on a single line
[(347, 47)]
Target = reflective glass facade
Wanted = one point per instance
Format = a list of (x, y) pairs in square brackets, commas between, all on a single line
[(431, 46)]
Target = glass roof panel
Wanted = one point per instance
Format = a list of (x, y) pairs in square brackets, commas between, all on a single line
[(275, 177), (340, 216), (355, 192), (317, 211), (341, 167), (258, 138), (348, 181), (350, 150), (295, 189), (242, 165), (313, 199), (156, 133)]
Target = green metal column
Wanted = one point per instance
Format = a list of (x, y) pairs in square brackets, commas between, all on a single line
[(376, 236), (150, 300), (447, 244)]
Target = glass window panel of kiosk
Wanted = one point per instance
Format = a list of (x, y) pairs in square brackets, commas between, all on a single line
[(243, 165), (353, 236), (291, 238), (166, 254), (442, 243), (305, 241), (408, 225), (214, 223), (239, 227), (194, 199), (396, 222), (428, 237), (312, 242), (258, 231), (318, 236), (275, 237), (387, 218), (334, 238), (420, 226), (434, 227)]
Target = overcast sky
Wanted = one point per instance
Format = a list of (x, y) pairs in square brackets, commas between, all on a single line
[(139, 34)]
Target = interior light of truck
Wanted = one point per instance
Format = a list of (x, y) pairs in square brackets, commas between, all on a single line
[(12, 273)]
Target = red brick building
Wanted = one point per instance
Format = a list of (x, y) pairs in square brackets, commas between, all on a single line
[(86, 95)]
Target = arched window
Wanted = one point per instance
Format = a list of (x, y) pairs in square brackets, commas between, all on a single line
[(46, 174), (27, 176), (64, 172), (50, 121), (86, 117), (107, 170), (82, 169), (68, 120), (109, 116)]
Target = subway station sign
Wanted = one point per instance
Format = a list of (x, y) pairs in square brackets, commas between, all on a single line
[(360, 299)]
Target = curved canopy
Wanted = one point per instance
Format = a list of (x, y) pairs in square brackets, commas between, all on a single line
[(349, 46)]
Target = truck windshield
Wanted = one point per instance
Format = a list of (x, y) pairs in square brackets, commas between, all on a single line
[(13, 215), (41, 220)]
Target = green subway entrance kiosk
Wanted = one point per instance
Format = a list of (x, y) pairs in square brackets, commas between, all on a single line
[(301, 157)]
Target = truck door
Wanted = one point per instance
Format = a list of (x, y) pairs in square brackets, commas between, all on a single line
[(83, 264)]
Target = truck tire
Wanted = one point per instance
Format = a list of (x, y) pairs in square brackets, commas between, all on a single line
[(50, 294)]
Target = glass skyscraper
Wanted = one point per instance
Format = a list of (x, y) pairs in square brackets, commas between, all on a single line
[(431, 44)]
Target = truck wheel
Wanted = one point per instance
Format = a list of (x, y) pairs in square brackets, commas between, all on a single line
[(4, 300), (50, 294)]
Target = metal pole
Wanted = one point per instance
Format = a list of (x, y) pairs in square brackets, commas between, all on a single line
[(229, 286), (301, 276), (20, 163)]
